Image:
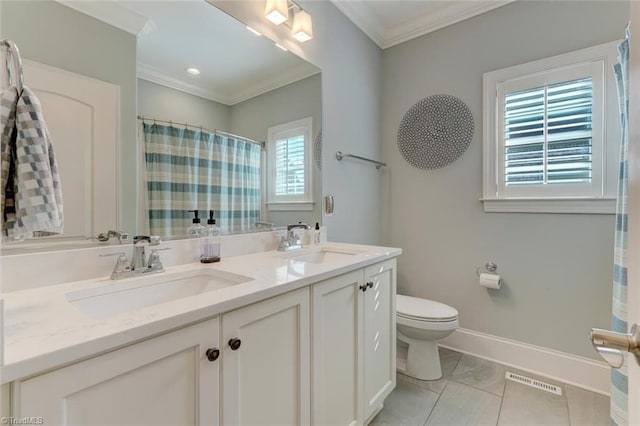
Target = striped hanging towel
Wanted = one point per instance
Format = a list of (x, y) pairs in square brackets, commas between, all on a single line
[(32, 196)]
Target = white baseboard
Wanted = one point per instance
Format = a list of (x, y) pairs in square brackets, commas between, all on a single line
[(571, 369)]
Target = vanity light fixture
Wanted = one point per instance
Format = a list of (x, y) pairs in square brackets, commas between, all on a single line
[(302, 27), (193, 71), (277, 11), (254, 31), (279, 46)]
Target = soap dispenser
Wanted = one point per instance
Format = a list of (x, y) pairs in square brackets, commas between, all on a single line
[(211, 244), (316, 235), (196, 233)]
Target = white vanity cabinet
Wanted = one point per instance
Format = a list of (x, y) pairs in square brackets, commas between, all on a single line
[(353, 344), (379, 323), (163, 380), (262, 360), (322, 354), (265, 380)]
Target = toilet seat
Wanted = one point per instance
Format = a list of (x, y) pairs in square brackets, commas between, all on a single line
[(418, 309)]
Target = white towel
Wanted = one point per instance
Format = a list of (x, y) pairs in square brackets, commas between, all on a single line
[(32, 196)]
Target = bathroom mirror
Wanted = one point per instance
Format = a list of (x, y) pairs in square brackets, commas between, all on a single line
[(246, 84)]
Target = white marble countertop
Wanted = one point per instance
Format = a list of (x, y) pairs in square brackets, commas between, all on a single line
[(43, 330)]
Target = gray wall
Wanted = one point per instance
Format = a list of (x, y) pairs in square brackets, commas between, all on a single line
[(557, 267), (52, 34), (351, 103), (157, 101), (253, 117)]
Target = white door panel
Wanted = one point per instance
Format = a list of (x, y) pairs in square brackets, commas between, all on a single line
[(82, 115)]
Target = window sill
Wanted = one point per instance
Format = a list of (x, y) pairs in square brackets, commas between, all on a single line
[(297, 206), (551, 205)]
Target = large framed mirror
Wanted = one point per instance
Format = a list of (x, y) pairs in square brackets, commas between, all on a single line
[(246, 87)]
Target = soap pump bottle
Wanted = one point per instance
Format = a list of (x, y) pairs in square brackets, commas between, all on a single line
[(211, 244), (316, 235), (196, 230), (196, 233)]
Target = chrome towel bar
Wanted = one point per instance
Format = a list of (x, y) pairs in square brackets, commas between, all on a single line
[(340, 155)]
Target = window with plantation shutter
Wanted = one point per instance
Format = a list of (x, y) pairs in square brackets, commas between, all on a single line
[(289, 166), (551, 136), (548, 134)]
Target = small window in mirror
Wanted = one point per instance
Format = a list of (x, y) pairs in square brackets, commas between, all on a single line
[(289, 166)]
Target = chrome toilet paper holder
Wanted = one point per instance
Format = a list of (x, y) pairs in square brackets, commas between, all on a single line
[(491, 267)]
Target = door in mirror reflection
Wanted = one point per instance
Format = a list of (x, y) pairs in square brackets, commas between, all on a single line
[(82, 117)]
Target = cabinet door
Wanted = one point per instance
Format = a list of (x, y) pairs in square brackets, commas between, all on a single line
[(166, 380), (379, 334), (266, 379), (337, 350)]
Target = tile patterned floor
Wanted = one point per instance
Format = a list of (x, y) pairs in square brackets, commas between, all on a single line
[(474, 391)]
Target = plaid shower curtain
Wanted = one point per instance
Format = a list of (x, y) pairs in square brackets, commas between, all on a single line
[(619, 378), (195, 170)]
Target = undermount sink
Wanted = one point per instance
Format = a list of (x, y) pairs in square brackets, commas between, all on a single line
[(324, 255), (130, 294)]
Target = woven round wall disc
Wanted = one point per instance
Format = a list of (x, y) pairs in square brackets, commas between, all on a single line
[(317, 149), (435, 132)]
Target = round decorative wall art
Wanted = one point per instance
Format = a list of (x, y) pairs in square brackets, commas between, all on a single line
[(435, 132), (317, 149)]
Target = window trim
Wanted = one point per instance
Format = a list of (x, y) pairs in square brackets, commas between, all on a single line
[(494, 198), (302, 202)]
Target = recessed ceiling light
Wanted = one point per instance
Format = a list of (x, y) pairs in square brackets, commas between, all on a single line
[(254, 31), (193, 71), (279, 46)]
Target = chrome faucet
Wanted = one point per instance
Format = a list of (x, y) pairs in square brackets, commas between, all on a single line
[(139, 264), (292, 241), (138, 259)]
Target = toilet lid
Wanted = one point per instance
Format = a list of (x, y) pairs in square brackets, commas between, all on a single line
[(418, 308)]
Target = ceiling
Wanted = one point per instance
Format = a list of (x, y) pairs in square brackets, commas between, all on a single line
[(391, 22), (173, 35)]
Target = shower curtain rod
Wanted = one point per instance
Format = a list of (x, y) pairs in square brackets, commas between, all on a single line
[(215, 131)]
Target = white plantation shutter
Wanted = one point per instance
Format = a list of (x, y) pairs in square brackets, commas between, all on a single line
[(548, 134), (289, 166)]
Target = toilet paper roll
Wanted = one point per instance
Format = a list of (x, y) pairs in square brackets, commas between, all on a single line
[(490, 281)]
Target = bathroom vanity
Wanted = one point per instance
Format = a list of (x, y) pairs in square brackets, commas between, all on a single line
[(303, 337)]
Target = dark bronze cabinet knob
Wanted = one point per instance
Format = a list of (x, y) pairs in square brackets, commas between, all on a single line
[(212, 354), (363, 287), (370, 284), (235, 343)]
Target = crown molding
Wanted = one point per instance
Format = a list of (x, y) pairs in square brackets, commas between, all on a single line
[(364, 18), (154, 75), (111, 13), (448, 14), (148, 73), (429, 20), (283, 79)]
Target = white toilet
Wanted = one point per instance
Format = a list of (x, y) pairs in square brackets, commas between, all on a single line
[(421, 323)]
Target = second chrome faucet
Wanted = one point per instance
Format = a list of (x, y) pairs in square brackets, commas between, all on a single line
[(292, 241)]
